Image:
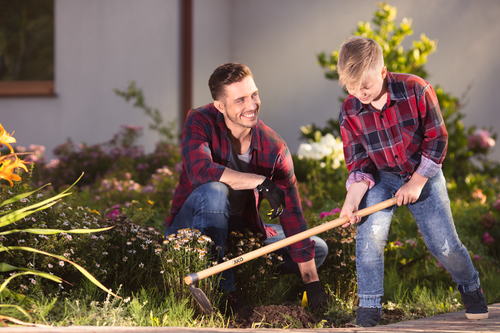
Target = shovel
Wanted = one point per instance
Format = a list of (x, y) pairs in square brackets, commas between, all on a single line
[(192, 278)]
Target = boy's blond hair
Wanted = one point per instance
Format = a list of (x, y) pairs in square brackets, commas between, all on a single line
[(357, 56)]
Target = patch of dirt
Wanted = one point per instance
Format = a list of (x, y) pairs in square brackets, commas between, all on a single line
[(290, 315), (274, 316)]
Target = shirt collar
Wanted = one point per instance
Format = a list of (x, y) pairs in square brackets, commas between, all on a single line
[(396, 93)]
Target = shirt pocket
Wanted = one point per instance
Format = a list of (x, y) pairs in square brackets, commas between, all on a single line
[(410, 131)]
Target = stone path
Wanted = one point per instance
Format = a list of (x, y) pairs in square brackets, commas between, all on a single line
[(446, 323)]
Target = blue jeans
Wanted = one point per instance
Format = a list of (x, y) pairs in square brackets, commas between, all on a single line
[(207, 209), (432, 213)]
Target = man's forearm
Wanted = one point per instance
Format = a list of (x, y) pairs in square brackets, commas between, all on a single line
[(308, 271), (241, 180)]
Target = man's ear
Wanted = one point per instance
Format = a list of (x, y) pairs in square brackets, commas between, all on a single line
[(219, 106)]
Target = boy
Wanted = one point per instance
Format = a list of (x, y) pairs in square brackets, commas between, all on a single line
[(394, 143)]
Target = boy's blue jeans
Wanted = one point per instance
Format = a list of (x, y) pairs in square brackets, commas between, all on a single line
[(207, 209), (433, 216)]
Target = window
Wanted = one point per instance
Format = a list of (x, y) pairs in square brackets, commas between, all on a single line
[(27, 48)]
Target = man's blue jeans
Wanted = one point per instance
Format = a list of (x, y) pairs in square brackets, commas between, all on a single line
[(432, 213), (207, 209)]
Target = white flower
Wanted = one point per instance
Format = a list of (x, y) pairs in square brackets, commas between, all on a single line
[(61, 263)]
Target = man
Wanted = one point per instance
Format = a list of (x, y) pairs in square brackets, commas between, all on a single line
[(231, 161)]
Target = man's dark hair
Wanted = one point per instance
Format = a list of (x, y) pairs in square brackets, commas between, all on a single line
[(225, 75)]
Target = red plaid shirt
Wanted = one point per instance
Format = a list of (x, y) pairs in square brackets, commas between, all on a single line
[(408, 135), (206, 150)]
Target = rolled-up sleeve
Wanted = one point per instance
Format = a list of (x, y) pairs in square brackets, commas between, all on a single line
[(435, 141), (357, 159)]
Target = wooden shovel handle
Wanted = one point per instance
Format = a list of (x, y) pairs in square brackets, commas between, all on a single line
[(194, 277)]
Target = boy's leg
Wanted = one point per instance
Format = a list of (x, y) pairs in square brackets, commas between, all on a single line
[(207, 210), (371, 238), (433, 216)]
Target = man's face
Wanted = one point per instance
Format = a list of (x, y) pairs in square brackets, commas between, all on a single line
[(240, 105), (372, 87)]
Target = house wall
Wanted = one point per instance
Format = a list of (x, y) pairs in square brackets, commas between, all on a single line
[(279, 40), (103, 44), (100, 46)]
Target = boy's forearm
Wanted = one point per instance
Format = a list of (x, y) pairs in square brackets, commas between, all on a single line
[(356, 192)]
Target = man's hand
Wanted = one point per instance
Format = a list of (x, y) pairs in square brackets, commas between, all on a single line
[(410, 192), (274, 195)]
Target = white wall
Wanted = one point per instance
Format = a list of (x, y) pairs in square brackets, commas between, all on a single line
[(212, 38), (102, 45), (279, 39)]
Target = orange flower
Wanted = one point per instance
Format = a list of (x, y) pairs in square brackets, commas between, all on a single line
[(6, 138), (8, 166)]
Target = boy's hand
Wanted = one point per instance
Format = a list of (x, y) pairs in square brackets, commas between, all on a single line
[(347, 210), (410, 192), (352, 200)]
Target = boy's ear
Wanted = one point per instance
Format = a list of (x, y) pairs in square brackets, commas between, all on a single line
[(384, 72)]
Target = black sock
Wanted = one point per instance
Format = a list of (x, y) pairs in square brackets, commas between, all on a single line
[(313, 288)]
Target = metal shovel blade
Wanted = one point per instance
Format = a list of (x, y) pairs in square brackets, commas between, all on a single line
[(201, 299)]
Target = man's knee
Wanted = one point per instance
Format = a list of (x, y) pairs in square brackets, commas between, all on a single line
[(320, 251), (214, 197)]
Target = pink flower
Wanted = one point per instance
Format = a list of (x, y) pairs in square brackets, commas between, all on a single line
[(411, 242), (398, 243), (487, 239), (113, 214), (439, 265), (477, 257), (333, 212), (496, 205), (481, 139)]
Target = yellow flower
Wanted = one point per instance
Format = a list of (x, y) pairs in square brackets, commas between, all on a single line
[(150, 202), (7, 168), (95, 212), (6, 138)]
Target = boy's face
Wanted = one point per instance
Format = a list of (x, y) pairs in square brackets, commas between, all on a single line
[(372, 88)]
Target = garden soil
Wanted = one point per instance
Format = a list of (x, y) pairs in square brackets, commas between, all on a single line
[(274, 316), (294, 316)]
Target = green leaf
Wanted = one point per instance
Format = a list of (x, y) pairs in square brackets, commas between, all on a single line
[(55, 231), (80, 268), (21, 196), (23, 212)]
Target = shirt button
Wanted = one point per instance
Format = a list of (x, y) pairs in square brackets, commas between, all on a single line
[(396, 156), (381, 116)]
